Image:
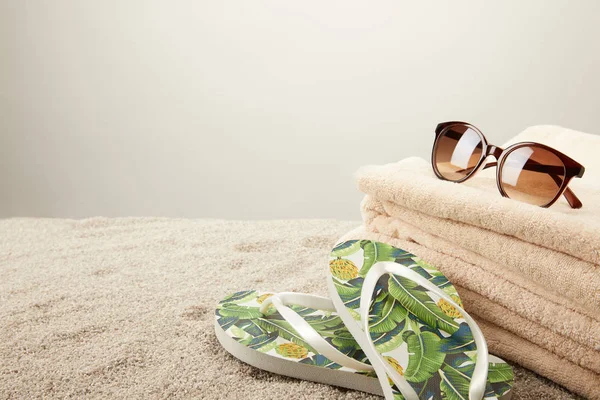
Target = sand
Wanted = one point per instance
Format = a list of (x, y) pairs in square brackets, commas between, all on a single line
[(123, 308)]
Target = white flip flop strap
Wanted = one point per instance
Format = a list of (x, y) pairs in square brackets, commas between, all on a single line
[(479, 378), (307, 332)]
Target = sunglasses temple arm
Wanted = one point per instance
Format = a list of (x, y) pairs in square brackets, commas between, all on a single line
[(573, 200)]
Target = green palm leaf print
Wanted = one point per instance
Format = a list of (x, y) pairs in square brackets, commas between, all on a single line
[(227, 322), (375, 252), (320, 360), (460, 341), (498, 389), (416, 300), (391, 314), (349, 293), (250, 326), (340, 338), (323, 322), (259, 342), (240, 297), (285, 331), (454, 384), (346, 248), (500, 372), (301, 310), (388, 341), (233, 310), (424, 355)]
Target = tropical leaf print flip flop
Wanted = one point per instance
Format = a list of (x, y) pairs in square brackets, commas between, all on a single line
[(293, 334), (408, 319)]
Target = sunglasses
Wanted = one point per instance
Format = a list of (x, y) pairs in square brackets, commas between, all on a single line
[(530, 172)]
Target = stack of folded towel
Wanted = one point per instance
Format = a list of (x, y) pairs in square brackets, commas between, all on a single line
[(531, 276)]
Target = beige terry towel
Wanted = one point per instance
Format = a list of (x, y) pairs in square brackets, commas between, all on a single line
[(568, 362), (412, 184), (499, 284), (571, 327), (560, 274), (545, 363)]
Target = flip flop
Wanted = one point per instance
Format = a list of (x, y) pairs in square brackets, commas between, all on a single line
[(293, 334), (408, 319)]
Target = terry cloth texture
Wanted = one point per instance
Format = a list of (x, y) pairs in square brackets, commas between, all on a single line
[(412, 184), (558, 272), (571, 326), (124, 308), (532, 274)]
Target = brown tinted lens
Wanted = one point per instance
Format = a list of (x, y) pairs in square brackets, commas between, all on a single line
[(532, 174), (457, 152)]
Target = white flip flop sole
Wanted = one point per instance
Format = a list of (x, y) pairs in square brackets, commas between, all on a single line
[(280, 366), (259, 331)]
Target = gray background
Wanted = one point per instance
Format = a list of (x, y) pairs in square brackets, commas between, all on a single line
[(264, 109)]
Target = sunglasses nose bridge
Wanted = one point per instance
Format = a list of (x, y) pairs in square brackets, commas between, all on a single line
[(494, 151)]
